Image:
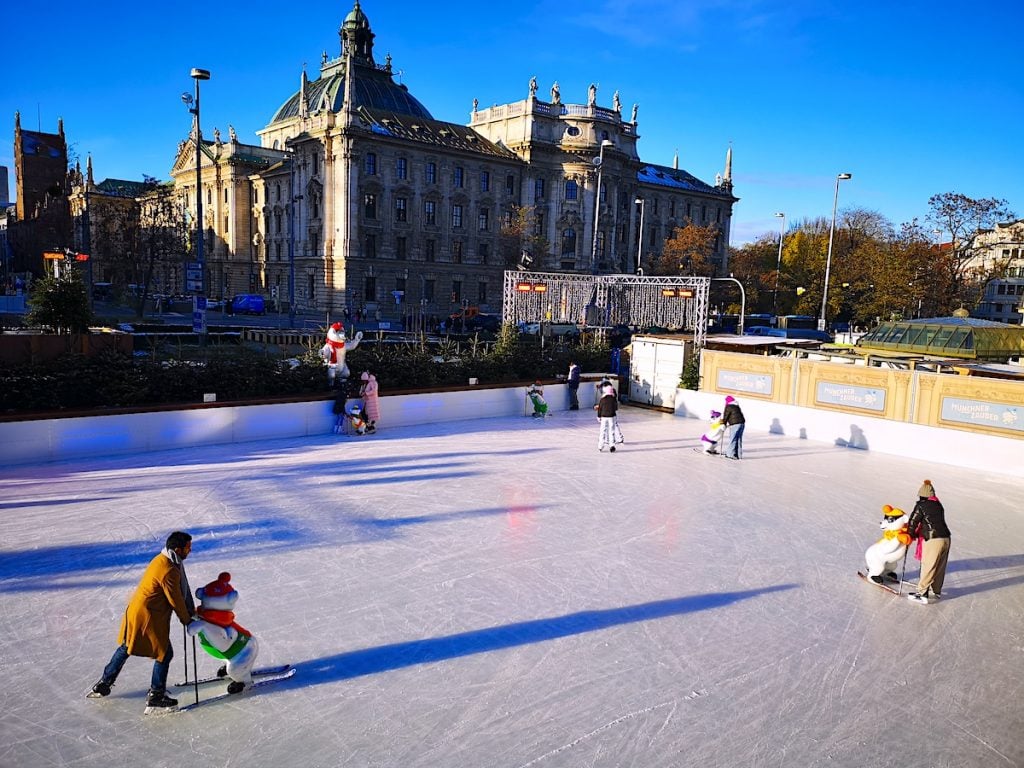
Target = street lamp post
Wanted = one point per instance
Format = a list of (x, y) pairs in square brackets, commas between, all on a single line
[(599, 162), (640, 240), (778, 262), (197, 75), (822, 325), (743, 301)]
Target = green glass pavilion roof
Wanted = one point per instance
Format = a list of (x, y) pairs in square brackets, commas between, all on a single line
[(961, 337)]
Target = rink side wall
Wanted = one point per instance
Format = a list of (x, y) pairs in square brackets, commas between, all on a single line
[(42, 440), (942, 445), (969, 421)]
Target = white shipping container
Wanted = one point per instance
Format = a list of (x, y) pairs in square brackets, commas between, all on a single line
[(656, 365)]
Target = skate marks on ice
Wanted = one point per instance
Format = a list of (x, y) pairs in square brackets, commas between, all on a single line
[(350, 664)]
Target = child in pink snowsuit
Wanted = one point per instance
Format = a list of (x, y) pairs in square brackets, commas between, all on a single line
[(371, 402)]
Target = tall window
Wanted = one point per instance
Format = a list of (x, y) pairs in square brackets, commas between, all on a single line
[(400, 284), (538, 222), (370, 288), (481, 292), (428, 290), (485, 181), (483, 252), (571, 189), (510, 185), (371, 246), (456, 291), (400, 248), (431, 174), (429, 212), (600, 244), (483, 219), (429, 250), (456, 216), (401, 211), (569, 242), (458, 177), (538, 189), (370, 205), (402, 168), (456, 251), (371, 164)]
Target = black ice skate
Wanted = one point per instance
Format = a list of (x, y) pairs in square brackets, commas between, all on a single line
[(235, 687), (99, 690), (157, 703)]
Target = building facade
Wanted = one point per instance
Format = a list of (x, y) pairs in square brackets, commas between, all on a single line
[(357, 198), (1000, 251)]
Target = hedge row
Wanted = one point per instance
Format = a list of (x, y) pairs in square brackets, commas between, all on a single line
[(120, 381)]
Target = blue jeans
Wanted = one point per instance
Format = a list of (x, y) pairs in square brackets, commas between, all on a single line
[(734, 440), (158, 684)]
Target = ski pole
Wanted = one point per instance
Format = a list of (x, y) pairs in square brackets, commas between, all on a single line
[(195, 672), (184, 644), (902, 575)]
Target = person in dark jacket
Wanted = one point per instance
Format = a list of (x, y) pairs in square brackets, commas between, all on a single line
[(735, 423), (928, 520), (606, 409), (573, 382)]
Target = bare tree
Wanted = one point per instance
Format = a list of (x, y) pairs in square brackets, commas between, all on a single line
[(959, 276)]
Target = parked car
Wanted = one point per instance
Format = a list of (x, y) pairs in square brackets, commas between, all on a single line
[(483, 322), (248, 304), (570, 330)]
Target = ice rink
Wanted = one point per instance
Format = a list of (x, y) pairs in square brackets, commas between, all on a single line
[(498, 593)]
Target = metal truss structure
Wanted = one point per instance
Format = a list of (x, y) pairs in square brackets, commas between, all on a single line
[(601, 301)]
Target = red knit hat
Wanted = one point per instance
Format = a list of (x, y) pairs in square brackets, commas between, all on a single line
[(336, 326), (220, 587)]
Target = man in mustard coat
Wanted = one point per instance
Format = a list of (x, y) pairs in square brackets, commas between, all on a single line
[(146, 626)]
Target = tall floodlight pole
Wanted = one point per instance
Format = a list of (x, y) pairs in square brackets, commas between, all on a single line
[(599, 162), (197, 75), (822, 325), (640, 240), (778, 262)]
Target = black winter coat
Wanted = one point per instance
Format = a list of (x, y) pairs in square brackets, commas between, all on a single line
[(930, 515), (732, 415), (607, 406)]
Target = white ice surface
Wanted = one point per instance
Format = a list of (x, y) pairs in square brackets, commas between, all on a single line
[(498, 593)]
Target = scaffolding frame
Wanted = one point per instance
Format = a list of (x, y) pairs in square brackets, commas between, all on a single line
[(603, 301)]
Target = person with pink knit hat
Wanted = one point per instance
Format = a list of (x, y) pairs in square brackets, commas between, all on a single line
[(735, 423)]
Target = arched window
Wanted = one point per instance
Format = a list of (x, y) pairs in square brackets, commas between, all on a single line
[(569, 242), (571, 189)]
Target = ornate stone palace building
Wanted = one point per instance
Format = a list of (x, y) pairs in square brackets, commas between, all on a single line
[(365, 198)]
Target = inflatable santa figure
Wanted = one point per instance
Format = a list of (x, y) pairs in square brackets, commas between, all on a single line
[(220, 636), (883, 557), (334, 350)]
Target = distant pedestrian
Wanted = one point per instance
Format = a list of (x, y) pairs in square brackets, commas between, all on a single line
[(928, 521), (607, 407), (735, 423), (146, 624), (573, 382)]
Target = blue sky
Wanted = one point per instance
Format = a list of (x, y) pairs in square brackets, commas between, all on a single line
[(913, 99)]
